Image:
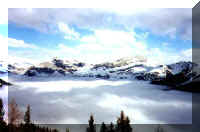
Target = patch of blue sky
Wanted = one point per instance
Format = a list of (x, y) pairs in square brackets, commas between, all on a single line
[(82, 30), (4, 30), (41, 39), (158, 41)]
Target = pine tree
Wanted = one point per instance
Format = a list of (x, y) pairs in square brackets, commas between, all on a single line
[(123, 123), (122, 115), (111, 127), (27, 116), (1, 111), (3, 125), (91, 127), (128, 126), (103, 127)]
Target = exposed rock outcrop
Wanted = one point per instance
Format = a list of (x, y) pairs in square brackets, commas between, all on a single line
[(2, 82)]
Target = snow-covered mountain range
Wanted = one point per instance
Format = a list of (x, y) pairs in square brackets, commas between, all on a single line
[(125, 68), (3, 67), (3, 73)]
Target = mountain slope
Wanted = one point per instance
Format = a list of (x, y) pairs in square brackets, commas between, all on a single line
[(125, 68), (3, 67)]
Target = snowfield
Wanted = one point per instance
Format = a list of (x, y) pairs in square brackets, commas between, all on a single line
[(71, 100)]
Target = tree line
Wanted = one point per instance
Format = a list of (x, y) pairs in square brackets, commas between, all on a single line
[(123, 125), (15, 123)]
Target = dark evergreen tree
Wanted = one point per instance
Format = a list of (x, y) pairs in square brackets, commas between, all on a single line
[(111, 129), (127, 125), (122, 115), (3, 126), (123, 123), (91, 127), (1, 111), (103, 127), (27, 116)]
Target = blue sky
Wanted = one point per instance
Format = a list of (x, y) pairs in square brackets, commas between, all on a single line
[(3, 40), (98, 35), (4, 29)]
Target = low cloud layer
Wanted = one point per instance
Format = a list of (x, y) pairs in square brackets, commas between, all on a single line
[(73, 100)]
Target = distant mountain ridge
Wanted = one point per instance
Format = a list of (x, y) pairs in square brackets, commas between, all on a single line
[(3, 67), (124, 68)]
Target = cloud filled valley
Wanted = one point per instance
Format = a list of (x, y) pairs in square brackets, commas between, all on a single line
[(70, 63), (104, 100)]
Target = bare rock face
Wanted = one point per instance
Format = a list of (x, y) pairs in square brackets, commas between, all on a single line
[(102, 76), (79, 64), (176, 74), (57, 66), (2, 82), (147, 76), (33, 71), (37, 71), (59, 63)]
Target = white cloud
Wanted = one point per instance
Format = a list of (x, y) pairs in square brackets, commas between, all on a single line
[(165, 44), (187, 54), (143, 36), (3, 16), (171, 32), (105, 45), (114, 39), (117, 103), (23, 60), (110, 37), (108, 45), (122, 11), (158, 21), (69, 32), (158, 56), (20, 44)]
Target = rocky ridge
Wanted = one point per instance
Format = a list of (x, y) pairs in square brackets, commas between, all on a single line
[(125, 68)]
